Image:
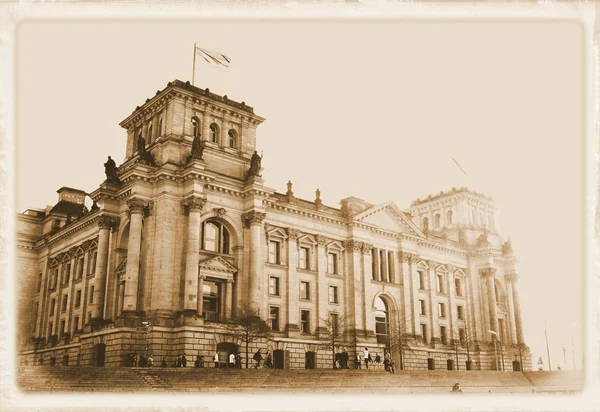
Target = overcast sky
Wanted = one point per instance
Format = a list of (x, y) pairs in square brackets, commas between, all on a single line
[(372, 109)]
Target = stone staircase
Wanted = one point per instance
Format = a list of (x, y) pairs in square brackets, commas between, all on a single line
[(121, 379)]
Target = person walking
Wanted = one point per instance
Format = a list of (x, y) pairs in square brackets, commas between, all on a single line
[(358, 360), (238, 361), (216, 360), (183, 361), (389, 363), (231, 360), (367, 357), (269, 361), (345, 359), (257, 357)]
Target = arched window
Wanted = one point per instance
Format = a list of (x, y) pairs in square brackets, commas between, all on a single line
[(215, 237), (149, 133), (195, 127), (426, 224), (381, 321), (214, 133), (438, 219), (160, 130), (232, 138), (449, 217)]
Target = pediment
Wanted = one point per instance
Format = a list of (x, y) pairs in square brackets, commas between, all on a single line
[(217, 264), (388, 216)]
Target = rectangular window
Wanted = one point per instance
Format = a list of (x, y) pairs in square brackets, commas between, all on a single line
[(78, 298), (421, 279), (62, 327), (390, 264), (52, 304), (54, 278), (94, 256), (304, 256), (440, 284), (67, 273), (461, 336), (305, 321), (460, 310), (332, 263), (64, 303), (443, 335), (458, 287), (92, 294), (89, 317), (274, 252), (424, 332), (382, 267), (50, 329), (35, 315), (39, 284), (305, 290), (76, 324), (333, 294), (80, 268), (422, 307), (273, 286), (274, 317), (334, 323), (441, 310)]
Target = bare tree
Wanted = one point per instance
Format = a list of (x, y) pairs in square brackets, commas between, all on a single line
[(400, 336), (247, 327), (333, 335)]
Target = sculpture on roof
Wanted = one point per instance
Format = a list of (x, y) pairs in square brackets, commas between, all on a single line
[(255, 165), (197, 149), (110, 169), (145, 156)]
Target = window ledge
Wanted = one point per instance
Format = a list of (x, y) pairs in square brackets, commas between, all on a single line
[(275, 296), (277, 265), (313, 272)]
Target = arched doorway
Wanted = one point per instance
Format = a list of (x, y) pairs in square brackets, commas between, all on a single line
[(99, 354), (516, 366), (450, 364), (310, 360), (382, 321), (279, 359), (224, 349)]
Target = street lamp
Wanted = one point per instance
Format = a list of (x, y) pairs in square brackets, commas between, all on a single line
[(494, 337)]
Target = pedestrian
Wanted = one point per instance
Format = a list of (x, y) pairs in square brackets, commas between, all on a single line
[(150, 361), (358, 360), (338, 357), (135, 360), (238, 361), (197, 362), (257, 357), (456, 388), (163, 363), (231, 360), (386, 362), (183, 361), (269, 361), (367, 357), (178, 361), (344, 359), (216, 359), (389, 363)]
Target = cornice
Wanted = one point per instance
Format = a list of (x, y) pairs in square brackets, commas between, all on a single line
[(311, 214), (71, 229)]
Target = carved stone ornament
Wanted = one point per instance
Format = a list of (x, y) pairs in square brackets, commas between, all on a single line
[(511, 277), (193, 204), (451, 268), (253, 218), (202, 277), (487, 272), (322, 240), (292, 233), (353, 245), (105, 222), (137, 206), (405, 257), (367, 247), (219, 211)]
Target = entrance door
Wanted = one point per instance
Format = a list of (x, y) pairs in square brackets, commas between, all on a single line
[(279, 358), (310, 360), (516, 366), (430, 364), (450, 364), (99, 353), (225, 349), (66, 360)]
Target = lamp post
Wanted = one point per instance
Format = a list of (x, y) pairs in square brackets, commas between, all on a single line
[(494, 337), (147, 325)]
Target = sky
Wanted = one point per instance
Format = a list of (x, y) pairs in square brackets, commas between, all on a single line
[(367, 108)]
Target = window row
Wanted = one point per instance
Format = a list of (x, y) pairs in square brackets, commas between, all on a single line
[(440, 283), (383, 265), (274, 320), (75, 326), (274, 290), (65, 271), (214, 133), (437, 221), (460, 310), (65, 300), (304, 257), (462, 336), (150, 130)]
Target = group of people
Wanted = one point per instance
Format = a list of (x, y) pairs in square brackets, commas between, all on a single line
[(341, 359), (234, 360), (141, 361), (388, 362), (268, 363)]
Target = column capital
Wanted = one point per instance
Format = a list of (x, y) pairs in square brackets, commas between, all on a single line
[(203, 277), (322, 240), (367, 247), (292, 233), (511, 277), (107, 222), (230, 281), (253, 217), (451, 268), (409, 257), (193, 204), (136, 205), (353, 245), (487, 272)]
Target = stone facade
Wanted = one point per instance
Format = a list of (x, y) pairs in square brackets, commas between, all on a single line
[(173, 247)]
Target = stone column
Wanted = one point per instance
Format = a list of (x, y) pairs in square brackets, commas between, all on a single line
[(322, 298), (410, 293), (392, 275), (136, 213), (254, 220), (517, 304), (104, 224), (384, 265), (352, 279), (489, 275), (291, 291), (434, 324), (194, 207), (200, 295), (367, 321), (452, 311), (228, 298), (511, 308), (376, 267), (121, 297)]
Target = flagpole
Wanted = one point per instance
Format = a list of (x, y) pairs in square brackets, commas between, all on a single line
[(547, 347), (194, 68)]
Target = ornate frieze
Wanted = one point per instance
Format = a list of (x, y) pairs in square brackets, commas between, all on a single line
[(253, 218)]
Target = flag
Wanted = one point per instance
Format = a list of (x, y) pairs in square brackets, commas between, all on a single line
[(213, 58)]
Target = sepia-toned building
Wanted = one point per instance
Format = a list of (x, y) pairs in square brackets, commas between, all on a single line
[(187, 232)]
